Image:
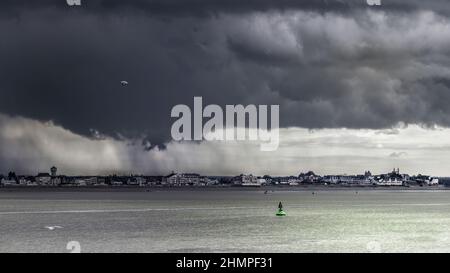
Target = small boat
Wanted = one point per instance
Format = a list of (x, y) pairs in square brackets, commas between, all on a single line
[(280, 211)]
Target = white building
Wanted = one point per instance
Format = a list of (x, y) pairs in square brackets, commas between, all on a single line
[(294, 182), (393, 178), (331, 179), (248, 180), (182, 179), (432, 181), (116, 183), (43, 179), (80, 182), (261, 181), (23, 181), (207, 181), (6, 182), (389, 182)]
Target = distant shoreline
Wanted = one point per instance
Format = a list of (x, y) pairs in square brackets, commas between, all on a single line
[(220, 188)]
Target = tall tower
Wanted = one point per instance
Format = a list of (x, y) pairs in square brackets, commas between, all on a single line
[(53, 171)]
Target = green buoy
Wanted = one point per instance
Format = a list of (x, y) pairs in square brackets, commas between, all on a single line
[(280, 211)]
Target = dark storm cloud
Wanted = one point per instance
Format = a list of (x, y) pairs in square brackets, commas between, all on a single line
[(358, 69)]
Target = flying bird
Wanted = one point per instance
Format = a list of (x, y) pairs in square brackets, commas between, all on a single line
[(53, 227)]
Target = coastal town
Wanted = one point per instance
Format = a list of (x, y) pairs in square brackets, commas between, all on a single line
[(393, 178)]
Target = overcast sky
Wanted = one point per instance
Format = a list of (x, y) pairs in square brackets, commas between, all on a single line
[(381, 72)]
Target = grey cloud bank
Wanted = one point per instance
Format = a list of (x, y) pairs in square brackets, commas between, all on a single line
[(30, 146)]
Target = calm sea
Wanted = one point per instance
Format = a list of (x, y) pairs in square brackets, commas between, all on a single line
[(226, 221)]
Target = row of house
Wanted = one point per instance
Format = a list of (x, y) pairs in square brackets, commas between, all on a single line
[(53, 179), (394, 178)]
